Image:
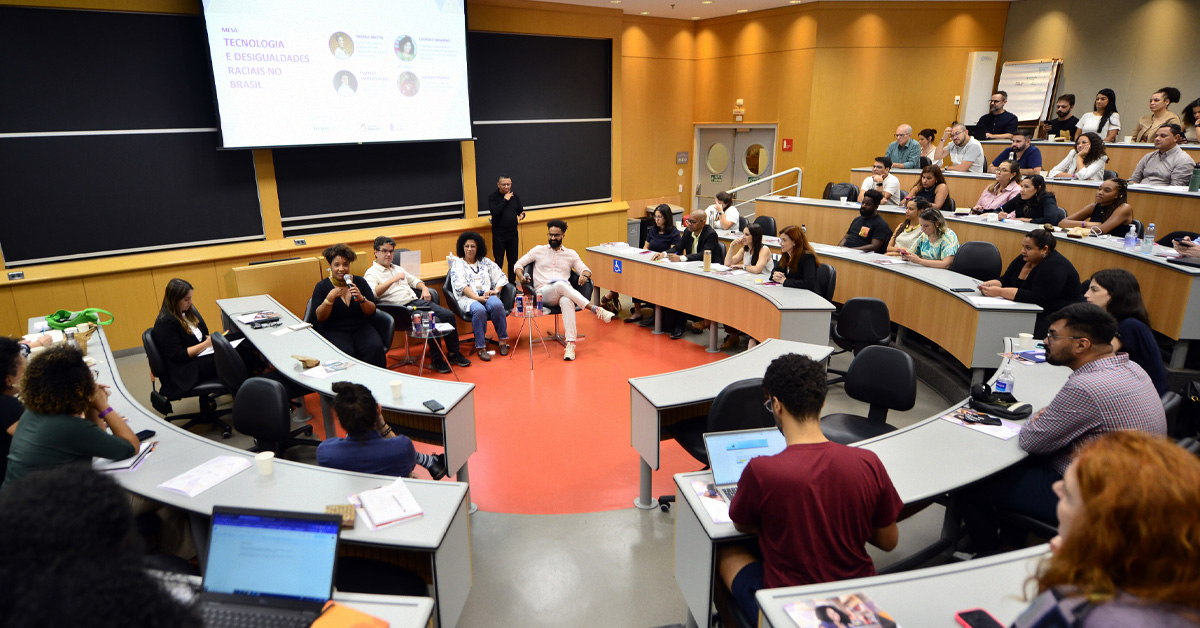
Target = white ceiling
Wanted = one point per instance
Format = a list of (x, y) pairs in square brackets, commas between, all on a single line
[(696, 9)]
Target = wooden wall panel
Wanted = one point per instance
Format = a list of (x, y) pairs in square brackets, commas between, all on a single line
[(657, 101), (40, 299), (131, 299), (10, 325), (206, 289)]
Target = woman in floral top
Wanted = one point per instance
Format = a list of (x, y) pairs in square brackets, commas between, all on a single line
[(937, 243)]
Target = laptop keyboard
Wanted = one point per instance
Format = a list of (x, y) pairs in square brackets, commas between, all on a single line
[(728, 493), (225, 617)]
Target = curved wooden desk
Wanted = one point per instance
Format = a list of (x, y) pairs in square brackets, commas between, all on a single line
[(439, 540), (760, 311), (1122, 157)]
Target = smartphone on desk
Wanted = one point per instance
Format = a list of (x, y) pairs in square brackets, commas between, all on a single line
[(144, 435), (433, 405), (977, 618)]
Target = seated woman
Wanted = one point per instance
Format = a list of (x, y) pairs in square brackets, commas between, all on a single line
[(66, 415), (749, 253), (907, 232), (932, 187), (1007, 186), (1111, 211), (12, 368), (937, 244), (797, 267), (181, 336), (1104, 120), (476, 281), (1127, 544), (1148, 125), (1117, 291), (344, 304), (1039, 275), (927, 140), (1085, 163), (660, 238), (1191, 117), (370, 445), (1034, 204)]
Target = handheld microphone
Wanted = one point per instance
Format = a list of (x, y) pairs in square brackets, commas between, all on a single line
[(349, 279)]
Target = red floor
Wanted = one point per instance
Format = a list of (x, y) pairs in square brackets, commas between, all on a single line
[(555, 439)]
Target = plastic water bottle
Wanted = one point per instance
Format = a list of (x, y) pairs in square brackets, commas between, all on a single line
[(1148, 241), (520, 305), (1194, 182), (69, 337), (1004, 383), (1131, 239), (540, 311)]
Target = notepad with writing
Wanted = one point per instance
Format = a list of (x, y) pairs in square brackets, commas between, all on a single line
[(387, 505)]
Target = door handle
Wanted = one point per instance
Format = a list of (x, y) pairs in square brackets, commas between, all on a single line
[(697, 188)]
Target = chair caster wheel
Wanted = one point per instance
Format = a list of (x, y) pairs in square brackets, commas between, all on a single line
[(308, 431), (664, 507), (226, 434)]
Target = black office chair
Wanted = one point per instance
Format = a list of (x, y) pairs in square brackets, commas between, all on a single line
[(584, 289), (508, 297), (1110, 174), (835, 191), (402, 315), (978, 259), (1043, 530), (1191, 445), (742, 222), (739, 406), (381, 321), (768, 225), (826, 281), (232, 371), (1166, 240), (862, 322), (1172, 402), (924, 161), (949, 206), (206, 392), (261, 410), (1060, 214), (883, 377), (723, 251)]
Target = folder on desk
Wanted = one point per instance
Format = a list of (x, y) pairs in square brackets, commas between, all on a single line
[(855, 609)]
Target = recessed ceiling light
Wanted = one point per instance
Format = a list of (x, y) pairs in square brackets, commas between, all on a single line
[(615, 1), (706, 1), (695, 18), (645, 13), (795, 1), (742, 10)]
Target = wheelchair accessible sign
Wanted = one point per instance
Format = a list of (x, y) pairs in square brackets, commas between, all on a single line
[(617, 266)]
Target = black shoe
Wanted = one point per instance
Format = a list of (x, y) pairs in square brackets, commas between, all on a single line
[(677, 333), (647, 322), (459, 359), (437, 470), (440, 366), (483, 354), (633, 319)]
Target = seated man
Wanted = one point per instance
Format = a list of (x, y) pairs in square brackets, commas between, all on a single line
[(996, 124), (395, 287), (370, 445), (868, 231), (1063, 120), (698, 238), (883, 180), (905, 152), (1107, 392), (1023, 152), (1168, 165), (814, 506), (552, 266), (966, 153)]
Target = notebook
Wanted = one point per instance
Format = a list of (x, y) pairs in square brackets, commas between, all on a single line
[(268, 567), (728, 453)]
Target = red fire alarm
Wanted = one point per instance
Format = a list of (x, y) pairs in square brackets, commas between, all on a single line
[(787, 144)]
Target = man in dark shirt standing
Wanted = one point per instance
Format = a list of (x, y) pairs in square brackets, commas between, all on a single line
[(869, 231), (1063, 120), (506, 211), (996, 124), (815, 505)]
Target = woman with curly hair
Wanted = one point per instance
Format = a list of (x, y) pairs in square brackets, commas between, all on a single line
[(1085, 163), (476, 281), (66, 415), (1128, 547), (344, 304)]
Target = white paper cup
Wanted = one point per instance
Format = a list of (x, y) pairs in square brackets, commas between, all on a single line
[(1025, 341), (396, 386), (265, 461), (842, 200), (1128, 139)]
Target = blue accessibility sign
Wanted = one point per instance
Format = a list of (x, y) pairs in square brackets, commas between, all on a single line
[(617, 266)]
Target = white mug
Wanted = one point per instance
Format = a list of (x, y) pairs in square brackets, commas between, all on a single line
[(1025, 340), (265, 461)]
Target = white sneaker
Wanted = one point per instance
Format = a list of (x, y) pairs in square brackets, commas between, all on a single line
[(569, 354), (604, 315)]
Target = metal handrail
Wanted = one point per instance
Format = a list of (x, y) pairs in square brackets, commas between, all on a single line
[(799, 180)]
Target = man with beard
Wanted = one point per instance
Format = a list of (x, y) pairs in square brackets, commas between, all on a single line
[(698, 238), (996, 124), (869, 231), (552, 266), (1107, 392)]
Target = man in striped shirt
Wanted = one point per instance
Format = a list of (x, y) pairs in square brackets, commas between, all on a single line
[(1107, 392)]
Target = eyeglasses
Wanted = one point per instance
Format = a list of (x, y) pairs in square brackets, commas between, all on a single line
[(902, 135), (995, 102), (769, 404), (387, 251), (1050, 335)]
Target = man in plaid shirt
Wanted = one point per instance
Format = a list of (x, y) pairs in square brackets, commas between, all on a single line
[(1107, 392)]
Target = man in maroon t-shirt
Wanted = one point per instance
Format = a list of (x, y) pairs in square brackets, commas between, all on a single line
[(815, 505)]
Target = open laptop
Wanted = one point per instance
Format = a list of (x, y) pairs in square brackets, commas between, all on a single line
[(728, 453), (267, 567)]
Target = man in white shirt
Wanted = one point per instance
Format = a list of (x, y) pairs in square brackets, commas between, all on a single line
[(396, 288), (722, 214), (966, 153), (883, 180)]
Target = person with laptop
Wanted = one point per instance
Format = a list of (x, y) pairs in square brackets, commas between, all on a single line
[(814, 506), (370, 445)]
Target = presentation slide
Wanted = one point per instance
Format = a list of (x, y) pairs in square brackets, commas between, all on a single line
[(304, 72)]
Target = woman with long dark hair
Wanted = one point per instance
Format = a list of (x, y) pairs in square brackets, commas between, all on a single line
[(908, 231), (1034, 204), (1111, 212), (748, 251), (797, 266), (1104, 119), (1006, 187), (181, 337), (1191, 117), (932, 187), (1085, 163), (660, 238), (1159, 115), (1117, 291), (1039, 275)]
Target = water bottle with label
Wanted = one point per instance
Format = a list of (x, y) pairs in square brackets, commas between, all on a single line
[(1131, 239), (540, 311), (1004, 383), (1194, 182), (520, 305), (1148, 241)]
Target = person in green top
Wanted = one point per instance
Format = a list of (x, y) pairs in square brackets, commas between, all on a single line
[(66, 414)]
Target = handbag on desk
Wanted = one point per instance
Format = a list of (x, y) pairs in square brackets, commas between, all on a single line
[(64, 319)]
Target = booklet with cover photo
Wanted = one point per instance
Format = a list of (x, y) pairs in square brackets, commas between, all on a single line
[(855, 610)]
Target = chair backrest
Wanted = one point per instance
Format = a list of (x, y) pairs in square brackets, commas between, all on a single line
[(231, 369), (924, 161), (1137, 224), (864, 321), (384, 325), (1191, 445), (722, 259), (310, 313), (739, 406), (885, 378), (451, 302), (768, 225), (1172, 402), (979, 259), (1060, 214), (826, 281), (158, 366), (742, 222), (838, 190), (261, 410), (1166, 239), (1110, 174), (949, 206)]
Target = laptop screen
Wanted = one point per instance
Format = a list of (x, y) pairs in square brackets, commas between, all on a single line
[(283, 555), (728, 452)]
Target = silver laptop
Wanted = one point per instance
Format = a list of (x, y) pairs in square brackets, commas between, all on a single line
[(268, 567), (728, 453)]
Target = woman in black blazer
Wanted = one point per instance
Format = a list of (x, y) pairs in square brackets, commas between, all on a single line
[(1033, 204), (797, 267), (1039, 275), (181, 336)]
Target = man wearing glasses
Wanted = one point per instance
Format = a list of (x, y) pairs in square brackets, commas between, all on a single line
[(904, 152), (996, 124), (966, 153), (1107, 392)]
